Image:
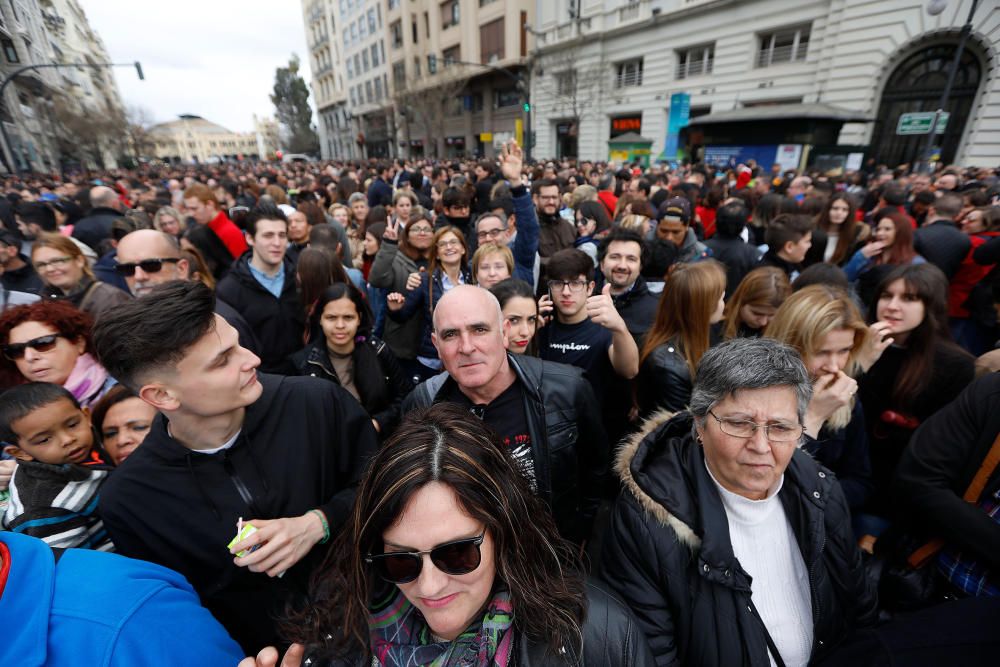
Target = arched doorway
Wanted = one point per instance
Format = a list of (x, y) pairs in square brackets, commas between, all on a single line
[(916, 84)]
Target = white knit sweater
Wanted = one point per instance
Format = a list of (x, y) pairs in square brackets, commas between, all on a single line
[(766, 549)]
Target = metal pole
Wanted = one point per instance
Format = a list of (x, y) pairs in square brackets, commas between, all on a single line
[(7, 150), (946, 93)]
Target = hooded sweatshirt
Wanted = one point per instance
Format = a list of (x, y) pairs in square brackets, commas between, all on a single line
[(303, 445)]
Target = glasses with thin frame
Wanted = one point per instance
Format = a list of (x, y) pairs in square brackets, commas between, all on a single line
[(54, 263), (745, 428), (575, 286), (491, 234)]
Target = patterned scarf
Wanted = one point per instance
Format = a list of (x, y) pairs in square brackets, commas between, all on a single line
[(400, 637), (86, 380)]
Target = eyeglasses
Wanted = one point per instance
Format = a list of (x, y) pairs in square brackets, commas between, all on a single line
[(422, 231), (585, 221), (574, 285), (15, 351), (744, 428), (491, 234), (449, 243), (402, 567), (54, 263), (147, 265)]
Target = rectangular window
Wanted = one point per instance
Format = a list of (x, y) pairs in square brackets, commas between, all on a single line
[(449, 14), (381, 49), (491, 41), (414, 26), (362, 28), (416, 67), (628, 73), (347, 37), (393, 4), (354, 32), (432, 67), (783, 46), (396, 34), (357, 65), (374, 51), (452, 55), (566, 83), (368, 91), (378, 88), (695, 61), (364, 59), (399, 75), (506, 98), (371, 21), (9, 51)]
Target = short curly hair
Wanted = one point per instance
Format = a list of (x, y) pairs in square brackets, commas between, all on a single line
[(62, 316)]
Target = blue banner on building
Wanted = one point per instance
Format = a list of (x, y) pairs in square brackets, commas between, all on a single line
[(680, 114)]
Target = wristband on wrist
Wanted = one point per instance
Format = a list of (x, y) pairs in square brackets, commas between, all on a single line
[(326, 526)]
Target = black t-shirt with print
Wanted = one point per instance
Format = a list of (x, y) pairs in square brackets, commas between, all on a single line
[(505, 415)]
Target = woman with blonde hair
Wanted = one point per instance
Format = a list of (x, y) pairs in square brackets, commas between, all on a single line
[(691, 303), (67, 275), (755, 301), (491, 263), (169, 220), (822, 323)]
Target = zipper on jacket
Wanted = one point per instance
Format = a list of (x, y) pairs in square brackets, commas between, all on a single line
[(240, 485)]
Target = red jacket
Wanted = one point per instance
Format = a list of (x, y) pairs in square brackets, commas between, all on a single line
[(969, 275), (609, 200), (229, 234)]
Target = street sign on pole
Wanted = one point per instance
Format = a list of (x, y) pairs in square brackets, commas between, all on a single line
[(921, 122)]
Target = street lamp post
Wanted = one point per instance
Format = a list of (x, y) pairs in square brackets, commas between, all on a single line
[(8, 152), (935, 7)]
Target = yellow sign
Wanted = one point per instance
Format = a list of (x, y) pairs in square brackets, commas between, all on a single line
[(486, 137), (519, 131)]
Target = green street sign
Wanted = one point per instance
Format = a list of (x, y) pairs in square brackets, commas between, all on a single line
[(920, 123)]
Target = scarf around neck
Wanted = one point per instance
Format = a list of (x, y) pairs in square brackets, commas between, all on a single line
[(400, 637), (86, 380)]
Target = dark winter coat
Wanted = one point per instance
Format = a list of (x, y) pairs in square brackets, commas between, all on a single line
[(664, 381), (738, 256), (569, 447), (303, 445), (278, 323), (389, 272), (845, 452), (380, 380), (96, 226), (420, 304), (638, 308), (669, 558), (942, 244)]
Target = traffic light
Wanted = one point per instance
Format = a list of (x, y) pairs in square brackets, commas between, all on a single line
[(527, 107)]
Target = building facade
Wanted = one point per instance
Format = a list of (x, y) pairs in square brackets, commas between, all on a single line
[(454, 73), (326, 63), (602, 68), (193, 140)]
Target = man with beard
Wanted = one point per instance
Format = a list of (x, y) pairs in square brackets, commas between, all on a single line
[(555, 233)]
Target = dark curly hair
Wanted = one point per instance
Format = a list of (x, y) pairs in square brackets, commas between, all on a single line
[(446, 444), (62, 316)]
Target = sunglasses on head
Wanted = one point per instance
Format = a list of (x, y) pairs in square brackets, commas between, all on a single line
[(15, 351), (147, 265), (402, 567)]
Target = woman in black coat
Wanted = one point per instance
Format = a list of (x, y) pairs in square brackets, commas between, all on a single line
[(343, 350)]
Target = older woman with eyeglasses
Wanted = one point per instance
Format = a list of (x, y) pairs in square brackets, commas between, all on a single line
[(67, 275), (49, 341), (731, 545), (450, 559)]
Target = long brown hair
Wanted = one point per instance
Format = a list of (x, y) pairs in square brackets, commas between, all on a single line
[(764, 286), (846, 232), (901, 251), (445, 444), (690, 296)]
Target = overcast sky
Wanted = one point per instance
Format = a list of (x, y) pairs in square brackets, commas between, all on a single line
[(211, 58)]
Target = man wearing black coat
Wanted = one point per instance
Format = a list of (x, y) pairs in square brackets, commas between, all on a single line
[(728, 246), (106, 207), (622, 254), (230, 446), (380, 191), (940, 241), (261, 287), (18, 273), (544, 411)]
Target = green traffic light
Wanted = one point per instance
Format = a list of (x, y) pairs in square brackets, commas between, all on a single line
[(527, 107)]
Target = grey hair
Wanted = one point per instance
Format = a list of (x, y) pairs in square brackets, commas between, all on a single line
[(357, 196), (748, 363)]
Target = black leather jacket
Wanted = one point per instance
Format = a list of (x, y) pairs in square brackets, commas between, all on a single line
[(664, 380), (569, 446), (668, 554)]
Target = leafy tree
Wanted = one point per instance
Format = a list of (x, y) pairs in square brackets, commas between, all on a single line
[(291, 101)]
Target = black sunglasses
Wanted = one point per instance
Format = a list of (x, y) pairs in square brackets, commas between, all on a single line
[(147, 265), (15, 351), (402, 567)]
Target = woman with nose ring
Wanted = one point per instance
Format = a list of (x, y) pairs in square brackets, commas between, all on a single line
[(449, 558), (825, 327)]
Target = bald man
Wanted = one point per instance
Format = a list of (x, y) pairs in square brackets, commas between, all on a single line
[(105, 208), (148, 257), (543, 411)]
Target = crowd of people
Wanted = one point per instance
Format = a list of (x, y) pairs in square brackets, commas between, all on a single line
[(484, 412)]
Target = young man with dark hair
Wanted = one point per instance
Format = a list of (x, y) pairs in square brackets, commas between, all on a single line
[(555, 233), (261, 287), (940, 241), (588, 332), (788, 239), (282, 454), (728, 246), (16, 272), (380, 190), (622, 255), (674, 225)]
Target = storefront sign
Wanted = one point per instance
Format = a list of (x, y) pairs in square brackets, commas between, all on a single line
[(623, 124)]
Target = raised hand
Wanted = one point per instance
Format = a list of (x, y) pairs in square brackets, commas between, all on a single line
[(879, 338), (413, 280), (394, 301), (391, 229), (831, 392), (545, 308), (873, 248), (511, 162)]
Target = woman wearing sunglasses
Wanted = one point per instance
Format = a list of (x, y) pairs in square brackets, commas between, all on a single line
[(49, 341), (67, 275), (440, 564)]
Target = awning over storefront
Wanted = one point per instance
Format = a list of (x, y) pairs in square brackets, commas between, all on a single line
[(772, 112)]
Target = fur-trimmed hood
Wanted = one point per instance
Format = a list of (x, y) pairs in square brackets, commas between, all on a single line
[(639, 454)]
